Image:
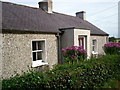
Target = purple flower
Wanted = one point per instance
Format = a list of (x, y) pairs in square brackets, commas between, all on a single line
[(80, 47), (63, 50), (112, 44), (69, 48), (112, 48), (74, 52), (82, 51)]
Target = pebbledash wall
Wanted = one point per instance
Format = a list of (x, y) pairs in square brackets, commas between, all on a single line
[(17, 52), (0, 57), (101, 40)]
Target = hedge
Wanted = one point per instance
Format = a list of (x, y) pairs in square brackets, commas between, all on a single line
[(93, 73)]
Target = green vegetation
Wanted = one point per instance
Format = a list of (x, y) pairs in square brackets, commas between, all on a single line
[(112, 48), (112, 39), (103, 72)]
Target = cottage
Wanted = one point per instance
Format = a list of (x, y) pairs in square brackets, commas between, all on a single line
[(32, 38)]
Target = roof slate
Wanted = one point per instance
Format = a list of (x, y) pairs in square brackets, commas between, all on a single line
[(25, 18)]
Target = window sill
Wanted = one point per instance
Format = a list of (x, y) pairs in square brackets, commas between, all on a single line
[(94, 53), (38, 63)]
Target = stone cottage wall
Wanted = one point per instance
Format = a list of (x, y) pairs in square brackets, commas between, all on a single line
[(101, 40), (0, 56), (17, 52)]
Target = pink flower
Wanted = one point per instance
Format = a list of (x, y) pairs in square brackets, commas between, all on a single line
[(63, 49), (74, 52), (80, 47), (68, 48), (82, 51), (112, 44)]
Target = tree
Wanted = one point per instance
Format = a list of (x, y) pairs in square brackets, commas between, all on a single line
[(112, 39)]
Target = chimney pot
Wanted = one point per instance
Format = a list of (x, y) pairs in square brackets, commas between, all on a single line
[(81, 15), (46, 5)]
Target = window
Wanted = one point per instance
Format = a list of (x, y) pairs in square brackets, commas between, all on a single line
[(38, 53), (94, 45), (94, 49), (81, 42)]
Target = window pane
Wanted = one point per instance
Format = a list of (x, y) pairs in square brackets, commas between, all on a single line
[(39, 55), (93, 42), (94, 45), (33, 45), (40, 43), (81, 42), (93, 48), (34, 56)]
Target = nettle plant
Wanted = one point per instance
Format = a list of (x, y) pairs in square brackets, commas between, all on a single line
[(74, 53), (112, 48)]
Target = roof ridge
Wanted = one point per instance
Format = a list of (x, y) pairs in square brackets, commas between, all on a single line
[(66, 14), (37, 8)]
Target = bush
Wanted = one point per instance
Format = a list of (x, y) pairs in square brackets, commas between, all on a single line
[(94, 73), (28, 80), (112, 48), (74, 53)]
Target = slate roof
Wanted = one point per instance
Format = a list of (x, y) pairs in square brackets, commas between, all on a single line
[(25, 18)]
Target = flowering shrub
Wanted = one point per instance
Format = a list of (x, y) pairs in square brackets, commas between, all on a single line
[(112, 48), (74, 53)]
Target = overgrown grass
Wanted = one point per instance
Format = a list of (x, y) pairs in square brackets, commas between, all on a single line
[(94, 73)]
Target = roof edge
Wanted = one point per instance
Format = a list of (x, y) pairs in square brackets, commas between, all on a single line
[(25, 31), (99, 34), (72, 28)]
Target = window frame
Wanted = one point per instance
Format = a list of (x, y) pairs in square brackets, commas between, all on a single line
[(94, 46), (81, 41), (84, 41), (44, 59)]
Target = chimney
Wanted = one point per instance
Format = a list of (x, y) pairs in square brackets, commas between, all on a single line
[(46, 5), (81, 15)]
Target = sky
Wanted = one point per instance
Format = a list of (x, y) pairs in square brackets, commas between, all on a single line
[(102, 13)]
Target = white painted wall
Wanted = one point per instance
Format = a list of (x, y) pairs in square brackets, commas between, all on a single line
[(67, 38)]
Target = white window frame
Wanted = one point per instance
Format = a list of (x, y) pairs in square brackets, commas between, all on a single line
[(44, 60), (95, 47)]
